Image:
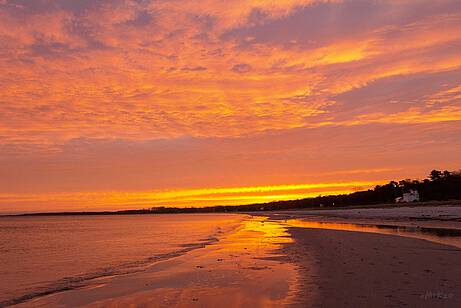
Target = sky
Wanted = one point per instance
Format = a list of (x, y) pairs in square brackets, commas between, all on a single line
[(138, 103)]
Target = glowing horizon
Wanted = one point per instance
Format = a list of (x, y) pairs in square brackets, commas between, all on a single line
[(132, 96), (103, 200)]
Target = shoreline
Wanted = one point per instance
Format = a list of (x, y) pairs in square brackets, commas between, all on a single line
[(223, 209), (243, 269), (270, 262), (435, 224), (442, 217)]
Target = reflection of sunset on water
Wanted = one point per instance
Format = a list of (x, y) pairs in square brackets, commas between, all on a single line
[(257, 233), (244, 268)]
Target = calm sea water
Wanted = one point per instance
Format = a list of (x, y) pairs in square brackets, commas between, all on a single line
[(42, 255)]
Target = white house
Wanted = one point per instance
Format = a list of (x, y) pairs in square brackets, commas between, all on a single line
[(411, 196)]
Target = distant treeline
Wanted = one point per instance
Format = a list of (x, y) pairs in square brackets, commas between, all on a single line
[(439, 186)]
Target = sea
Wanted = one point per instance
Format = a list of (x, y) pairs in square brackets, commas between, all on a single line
[(41, 255)]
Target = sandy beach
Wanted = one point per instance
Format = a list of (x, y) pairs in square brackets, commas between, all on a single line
[(442, 216), (354, 269), (297, 259), (366, 267)]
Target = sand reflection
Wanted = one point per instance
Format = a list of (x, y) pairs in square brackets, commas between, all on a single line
[(245, 268), (259, 235)]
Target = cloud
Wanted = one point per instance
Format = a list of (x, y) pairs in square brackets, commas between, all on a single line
[(398, 94), (322, 23), (301, 156), (141, 19), (241, 68), (194, 69), (144, 71)]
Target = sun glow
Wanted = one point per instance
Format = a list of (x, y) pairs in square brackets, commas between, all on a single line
[(182, 198)]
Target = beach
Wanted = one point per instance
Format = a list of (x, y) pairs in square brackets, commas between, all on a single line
[(354, 269), (416, 264), (296, 259)]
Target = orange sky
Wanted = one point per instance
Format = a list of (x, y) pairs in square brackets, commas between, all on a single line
[(138, 103)]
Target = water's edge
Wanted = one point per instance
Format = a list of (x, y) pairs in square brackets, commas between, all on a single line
[(81, 281)]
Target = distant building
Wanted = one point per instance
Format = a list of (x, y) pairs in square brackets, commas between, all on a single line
[(411, 196)]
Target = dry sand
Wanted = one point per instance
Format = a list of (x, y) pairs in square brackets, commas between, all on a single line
[(444, 216)]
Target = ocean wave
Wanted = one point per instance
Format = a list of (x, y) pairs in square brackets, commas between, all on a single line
[(76, 282)]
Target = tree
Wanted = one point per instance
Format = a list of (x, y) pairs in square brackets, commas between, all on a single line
[(435, 175), (446, 174)]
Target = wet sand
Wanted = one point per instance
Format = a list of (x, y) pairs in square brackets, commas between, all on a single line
[(388, 257), (443, 216), (358, 269), (244, 269)]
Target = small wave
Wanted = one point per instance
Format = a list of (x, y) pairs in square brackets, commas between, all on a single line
[(76, 282)]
